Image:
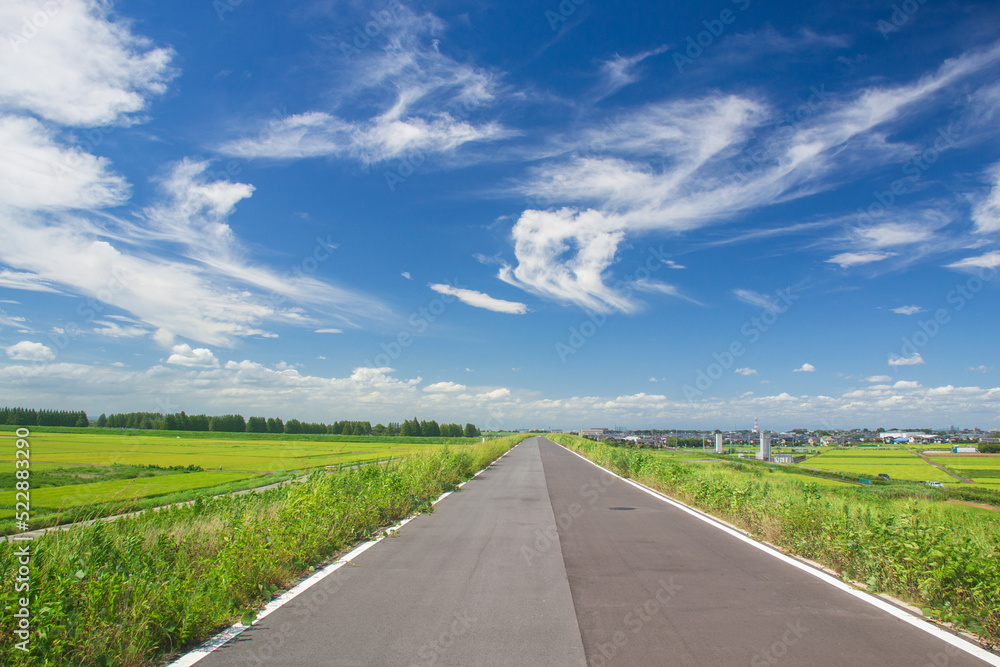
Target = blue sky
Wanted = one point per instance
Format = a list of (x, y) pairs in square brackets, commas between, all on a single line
[(534, 214)]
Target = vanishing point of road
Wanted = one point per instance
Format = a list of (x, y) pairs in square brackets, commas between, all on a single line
[(546, 559)]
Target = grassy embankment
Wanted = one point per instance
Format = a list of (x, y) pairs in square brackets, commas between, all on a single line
[(894, 538), (128, 592)]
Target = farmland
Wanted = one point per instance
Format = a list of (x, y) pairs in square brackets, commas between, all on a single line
[(983, 469), (87, 472), (899, 464)]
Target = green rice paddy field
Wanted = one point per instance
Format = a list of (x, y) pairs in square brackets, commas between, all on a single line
[(72, 470), (983, 469), (899, 464)]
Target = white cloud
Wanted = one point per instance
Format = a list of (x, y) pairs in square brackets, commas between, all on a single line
[(878, 378), (247, 387), (671, 264), (329, 331), (989, 260), (193, 212), (979, 369), (618, 71), (765, 301), (805, 368), (444, 388), (198, 357), (849, 259), (116, 330), (480, 300), (652, 379), (914, 360), (27, 350), (906, 384), (36, 173), (908, 310), (81, 67), (14, 321), (893, 234), (986, 213), (745, 371), (426, 102), (406, 274), (674, 166)]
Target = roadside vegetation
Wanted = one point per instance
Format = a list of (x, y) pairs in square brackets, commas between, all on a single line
[(132, 591), (897, 539)]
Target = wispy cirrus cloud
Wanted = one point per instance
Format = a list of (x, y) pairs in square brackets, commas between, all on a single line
[(427, 103), (986, 213), (619, 71), (848, 259), (481, 300), (670, 167)]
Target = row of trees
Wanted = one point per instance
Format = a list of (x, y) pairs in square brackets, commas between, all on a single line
[(182, 421), (25, 417), (237, 424), (431, 429)]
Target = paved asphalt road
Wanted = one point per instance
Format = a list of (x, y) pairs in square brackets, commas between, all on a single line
[(544, 559)]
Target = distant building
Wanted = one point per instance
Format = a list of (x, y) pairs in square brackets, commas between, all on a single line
[(765, 446), (957, 449), (593, 431)]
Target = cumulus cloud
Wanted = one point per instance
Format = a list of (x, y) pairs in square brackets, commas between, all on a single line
[(913, 360), (805, 368), (908, 310), (199, 357), (745, 371), (878, 378), (481, 300), (27, 350), (376, 394)]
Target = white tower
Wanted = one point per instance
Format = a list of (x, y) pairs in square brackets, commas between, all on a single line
[(765, 446), (718, 443)]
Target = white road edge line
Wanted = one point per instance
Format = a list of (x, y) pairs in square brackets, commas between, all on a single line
[(227, 635), (917, 622)]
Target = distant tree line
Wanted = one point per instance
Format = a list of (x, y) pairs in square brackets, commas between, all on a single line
[(24, 417), (181, 421), (237, 424)]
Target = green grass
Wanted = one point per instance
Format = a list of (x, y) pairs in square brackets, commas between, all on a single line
[(901, 539), (78, 495), (134, 591)]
